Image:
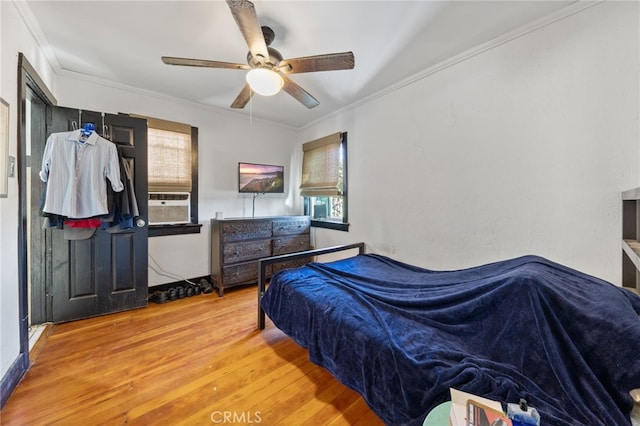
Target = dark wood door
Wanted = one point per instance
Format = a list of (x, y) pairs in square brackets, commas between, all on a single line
[(107, 272), (37, 245)]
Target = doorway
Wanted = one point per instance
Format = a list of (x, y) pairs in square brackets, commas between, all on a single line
[(35, 118), (68, 278)]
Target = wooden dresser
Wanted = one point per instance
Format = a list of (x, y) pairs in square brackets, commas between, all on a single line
[(238, 243)]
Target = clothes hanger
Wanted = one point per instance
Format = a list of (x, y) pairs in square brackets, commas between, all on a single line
[(88, 129)]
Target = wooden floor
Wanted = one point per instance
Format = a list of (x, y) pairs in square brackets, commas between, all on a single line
[(195, 361)]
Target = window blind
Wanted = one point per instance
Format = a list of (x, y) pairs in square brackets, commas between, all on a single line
[(321, 167), (169, 156)]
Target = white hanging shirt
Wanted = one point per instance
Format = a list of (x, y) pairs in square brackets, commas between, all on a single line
[(75, 173)]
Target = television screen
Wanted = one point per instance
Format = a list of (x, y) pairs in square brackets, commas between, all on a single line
[(260, 178)]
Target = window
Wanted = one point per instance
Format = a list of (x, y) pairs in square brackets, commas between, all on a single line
[(173, 177), (324, 181), (169, 160)]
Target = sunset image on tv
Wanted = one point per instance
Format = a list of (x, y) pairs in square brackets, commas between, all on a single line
[(261, 178)]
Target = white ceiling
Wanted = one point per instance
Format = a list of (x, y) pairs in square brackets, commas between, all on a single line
[(122, 42)]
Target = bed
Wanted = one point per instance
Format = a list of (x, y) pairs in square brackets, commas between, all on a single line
[(402, 336)]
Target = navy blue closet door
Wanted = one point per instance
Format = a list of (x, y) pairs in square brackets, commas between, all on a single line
[(107, 272)]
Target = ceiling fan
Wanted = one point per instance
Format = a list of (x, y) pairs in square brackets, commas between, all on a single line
[(267, 69)]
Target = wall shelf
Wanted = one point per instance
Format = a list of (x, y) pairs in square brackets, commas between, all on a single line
[(631, 239)]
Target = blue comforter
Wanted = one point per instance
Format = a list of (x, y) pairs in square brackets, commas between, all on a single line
[(529, 328)]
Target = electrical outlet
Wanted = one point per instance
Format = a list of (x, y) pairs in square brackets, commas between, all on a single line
[(12, 167)]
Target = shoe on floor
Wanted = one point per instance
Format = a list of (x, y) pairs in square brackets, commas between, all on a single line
[(159, 297)]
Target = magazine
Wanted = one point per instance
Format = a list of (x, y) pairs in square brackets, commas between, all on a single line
[(480, 415), (473, 410)]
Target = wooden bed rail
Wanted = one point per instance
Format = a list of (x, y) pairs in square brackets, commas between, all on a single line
[(264, 262)]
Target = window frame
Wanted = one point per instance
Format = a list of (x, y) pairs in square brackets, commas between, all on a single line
[(185, 228), (329, 224)]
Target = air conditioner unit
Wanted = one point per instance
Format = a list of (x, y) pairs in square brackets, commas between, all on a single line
[(167, 208)]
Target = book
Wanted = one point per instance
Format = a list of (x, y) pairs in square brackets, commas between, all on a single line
[(473, 410), (480, 415)]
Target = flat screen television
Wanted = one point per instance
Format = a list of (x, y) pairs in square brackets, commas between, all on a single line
[(260, 178)]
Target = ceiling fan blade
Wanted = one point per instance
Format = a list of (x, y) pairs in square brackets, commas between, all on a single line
[(243, 97), (244, 13), (328, 62), (189, 62), (298, 92)]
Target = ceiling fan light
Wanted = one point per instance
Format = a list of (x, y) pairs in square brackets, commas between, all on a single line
[(264, 81)]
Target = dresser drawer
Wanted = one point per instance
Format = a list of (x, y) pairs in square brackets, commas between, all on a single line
[(240, 273), (245, 230), (294, 226), (286, 245), (238, 243), (290, 264), (245, 250)]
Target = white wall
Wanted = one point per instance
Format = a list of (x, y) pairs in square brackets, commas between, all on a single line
[(523, 149), (14, 38), (224, 139)]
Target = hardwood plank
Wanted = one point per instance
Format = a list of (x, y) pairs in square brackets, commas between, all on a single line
[(317, 410), (180, 363)]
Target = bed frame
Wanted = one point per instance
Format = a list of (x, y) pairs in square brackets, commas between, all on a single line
[(266, 261), (403, 336)]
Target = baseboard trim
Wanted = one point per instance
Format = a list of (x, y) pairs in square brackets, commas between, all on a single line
[(13, 376), (177, 283), (37, 346)]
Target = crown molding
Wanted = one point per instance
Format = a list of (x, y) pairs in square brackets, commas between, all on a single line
[(572, 9), (161, 96), (34, 28), (568, 11), (43, 44)]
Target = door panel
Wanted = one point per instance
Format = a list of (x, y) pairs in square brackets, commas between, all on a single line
[(74, 287), (130, 249), (61, 119), (81, 281), (107, 272), (37, 243), (124, 254)]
